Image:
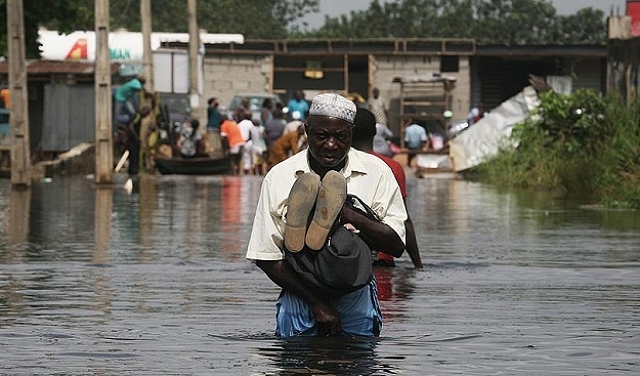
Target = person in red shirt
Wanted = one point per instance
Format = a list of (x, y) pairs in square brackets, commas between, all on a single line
[(362, 139)]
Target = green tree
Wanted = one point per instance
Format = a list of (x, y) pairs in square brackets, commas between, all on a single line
[(388, 20), (587, 26), (253, 19), (268, 19), (62, 15), (514, 22)]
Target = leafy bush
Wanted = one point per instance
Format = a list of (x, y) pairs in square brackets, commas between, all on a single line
[(585, 143)]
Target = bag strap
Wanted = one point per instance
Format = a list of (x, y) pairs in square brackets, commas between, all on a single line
[(356, 203)]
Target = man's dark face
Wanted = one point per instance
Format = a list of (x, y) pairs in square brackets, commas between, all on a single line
[(329, 139)]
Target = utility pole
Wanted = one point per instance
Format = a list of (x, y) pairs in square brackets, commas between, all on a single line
[(19, 118), (104, 138), (145, 15), (194, 43)]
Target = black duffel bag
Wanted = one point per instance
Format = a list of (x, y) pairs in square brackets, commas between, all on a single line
[(343, 265)]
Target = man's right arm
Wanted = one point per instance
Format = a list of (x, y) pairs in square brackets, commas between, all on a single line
[(323, 311)]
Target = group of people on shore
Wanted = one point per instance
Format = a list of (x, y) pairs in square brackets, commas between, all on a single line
[(257, 144)]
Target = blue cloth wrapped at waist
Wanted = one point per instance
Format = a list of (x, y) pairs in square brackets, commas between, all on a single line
[(359, 312)]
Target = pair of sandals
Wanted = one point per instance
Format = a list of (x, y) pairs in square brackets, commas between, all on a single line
[(324, 198)]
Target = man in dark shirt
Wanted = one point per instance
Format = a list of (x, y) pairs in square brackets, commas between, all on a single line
[(274, 128)]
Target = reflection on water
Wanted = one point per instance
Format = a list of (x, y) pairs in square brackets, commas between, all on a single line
[(102, 224), (321, 356), (17, 223), (98, 281)]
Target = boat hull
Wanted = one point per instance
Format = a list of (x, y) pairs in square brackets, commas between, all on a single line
[(193, 166)]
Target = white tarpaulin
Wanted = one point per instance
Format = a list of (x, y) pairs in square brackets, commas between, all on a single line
[(483, 138)]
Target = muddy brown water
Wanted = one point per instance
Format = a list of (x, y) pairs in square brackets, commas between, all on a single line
[(102, 282)]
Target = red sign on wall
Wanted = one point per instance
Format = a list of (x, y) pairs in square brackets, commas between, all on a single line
[(78, 50), (633, 11)]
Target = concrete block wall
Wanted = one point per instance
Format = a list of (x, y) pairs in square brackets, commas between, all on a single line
[(224, 76), (461, 103)]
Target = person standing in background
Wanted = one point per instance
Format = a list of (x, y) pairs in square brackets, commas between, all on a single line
[(382, 140), (214, 117), (5, 102), (230, 130), (266, 111), (415, 137), (5, 97), (378, 107), (363, 136), (133, 141), (246, 124), (258, 149), (244, 110), (275, 127), (124, 108), (298, 103)]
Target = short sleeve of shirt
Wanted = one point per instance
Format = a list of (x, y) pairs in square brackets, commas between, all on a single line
[(396, 213), (266, 241), (401, 179)]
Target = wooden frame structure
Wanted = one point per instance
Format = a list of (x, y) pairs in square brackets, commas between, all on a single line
[(424, 98)]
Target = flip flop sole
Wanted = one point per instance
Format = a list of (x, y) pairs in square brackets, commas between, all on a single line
[(331, 197), (302, 197)]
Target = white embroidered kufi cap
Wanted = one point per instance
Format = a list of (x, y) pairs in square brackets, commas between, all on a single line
[(334, 105)]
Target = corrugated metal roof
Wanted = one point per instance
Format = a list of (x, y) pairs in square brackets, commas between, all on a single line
[(46, 67), (587, 50)]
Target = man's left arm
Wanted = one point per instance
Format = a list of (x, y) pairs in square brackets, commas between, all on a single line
[(390, 233), (377, 235)]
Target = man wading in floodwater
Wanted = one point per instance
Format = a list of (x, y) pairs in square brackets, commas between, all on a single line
[(326, 169)]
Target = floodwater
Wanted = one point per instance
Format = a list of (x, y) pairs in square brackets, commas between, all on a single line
[(102, 282)]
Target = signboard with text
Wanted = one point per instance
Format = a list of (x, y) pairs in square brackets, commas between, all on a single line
[(123, 45)]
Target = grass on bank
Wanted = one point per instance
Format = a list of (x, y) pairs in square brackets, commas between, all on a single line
[(585, 143)]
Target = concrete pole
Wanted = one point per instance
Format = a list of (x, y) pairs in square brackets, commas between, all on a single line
[(145, 16), (194, 43), (19, 118), (104, 137)]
